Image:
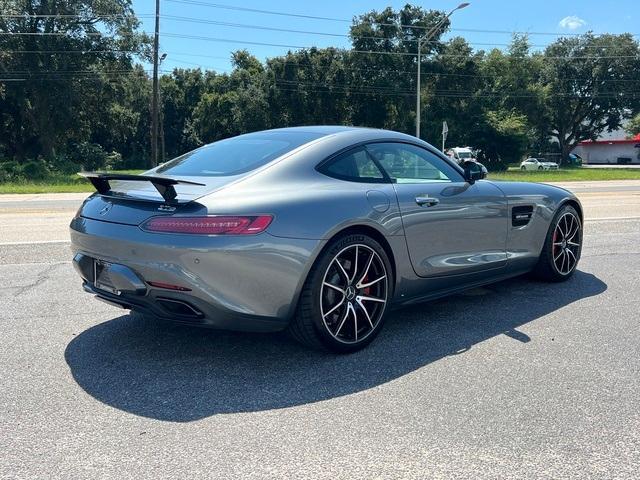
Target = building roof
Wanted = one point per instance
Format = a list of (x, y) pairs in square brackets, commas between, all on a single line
[(634, 140)]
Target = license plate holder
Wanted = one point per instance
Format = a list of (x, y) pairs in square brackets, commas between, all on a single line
[(101, 278)]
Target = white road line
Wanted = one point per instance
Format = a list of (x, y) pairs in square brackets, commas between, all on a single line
[(609, 219), (35, 242)]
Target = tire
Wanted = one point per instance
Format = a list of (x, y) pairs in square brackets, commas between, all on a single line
[(561, 253), (540, 168), (523, 168), (343, 302)]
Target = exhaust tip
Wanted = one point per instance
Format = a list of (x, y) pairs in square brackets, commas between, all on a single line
[(179, 307)]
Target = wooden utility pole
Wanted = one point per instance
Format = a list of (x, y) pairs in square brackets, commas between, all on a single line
[(154, 95)]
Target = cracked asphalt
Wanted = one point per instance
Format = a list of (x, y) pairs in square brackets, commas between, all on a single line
[(519, 379)]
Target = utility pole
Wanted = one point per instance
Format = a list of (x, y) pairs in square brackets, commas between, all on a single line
[(418, 90), (430, 34), (154, 95)]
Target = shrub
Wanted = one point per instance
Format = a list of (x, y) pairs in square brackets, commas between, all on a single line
[(63, 164), (90, 155), (114, 161), (35, 170), (492, 161), (9, 171)]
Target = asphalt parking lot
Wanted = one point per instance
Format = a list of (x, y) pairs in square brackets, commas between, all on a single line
[(515, 380)]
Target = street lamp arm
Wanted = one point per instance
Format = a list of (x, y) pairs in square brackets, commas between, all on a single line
[(435, 29)]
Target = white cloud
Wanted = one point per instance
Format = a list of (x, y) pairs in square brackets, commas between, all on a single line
[(572, 22)]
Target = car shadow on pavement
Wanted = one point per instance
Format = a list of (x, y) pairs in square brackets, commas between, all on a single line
[(173, 373)]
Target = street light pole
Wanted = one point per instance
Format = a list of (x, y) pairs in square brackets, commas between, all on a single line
[(430, 34), (154, 93), (161, 114)]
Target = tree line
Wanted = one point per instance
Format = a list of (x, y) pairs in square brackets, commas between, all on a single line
[(74, 92)]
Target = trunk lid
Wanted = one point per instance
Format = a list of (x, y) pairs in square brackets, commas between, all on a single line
[(131, 202)]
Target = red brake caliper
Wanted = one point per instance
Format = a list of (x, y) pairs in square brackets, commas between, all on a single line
[(366, 290)]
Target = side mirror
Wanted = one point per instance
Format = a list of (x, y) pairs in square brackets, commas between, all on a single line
[(473, 171)]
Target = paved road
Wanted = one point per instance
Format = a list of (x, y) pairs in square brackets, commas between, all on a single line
[(516, 380)]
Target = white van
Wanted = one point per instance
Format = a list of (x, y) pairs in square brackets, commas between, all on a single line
[(461, 154)]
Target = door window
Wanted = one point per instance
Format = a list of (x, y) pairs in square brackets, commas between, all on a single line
[(406, 163)]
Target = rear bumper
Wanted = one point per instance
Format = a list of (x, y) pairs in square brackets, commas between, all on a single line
[(247, 283)]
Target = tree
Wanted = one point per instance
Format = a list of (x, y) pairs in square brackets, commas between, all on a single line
[(180, 93), (501, 137), (53, 77), (633, 127), (451, 80), (589, 86), (310, 86), (383, 85)]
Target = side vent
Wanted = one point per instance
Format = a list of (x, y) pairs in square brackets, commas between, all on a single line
[(521, 215)]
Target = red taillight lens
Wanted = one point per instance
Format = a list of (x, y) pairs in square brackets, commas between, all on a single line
[(169, 286), (215, 225)]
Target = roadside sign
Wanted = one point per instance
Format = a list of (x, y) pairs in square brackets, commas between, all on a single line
[(445, 131)]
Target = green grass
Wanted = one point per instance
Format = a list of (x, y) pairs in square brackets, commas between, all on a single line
[(58, 183), (567, 175), (73, 183)]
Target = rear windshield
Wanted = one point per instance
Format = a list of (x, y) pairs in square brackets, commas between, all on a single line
[(236, 155)]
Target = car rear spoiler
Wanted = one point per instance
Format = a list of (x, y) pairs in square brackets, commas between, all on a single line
[(164, 185)]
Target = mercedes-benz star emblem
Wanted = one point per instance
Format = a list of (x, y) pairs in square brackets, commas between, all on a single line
[(106, 208)]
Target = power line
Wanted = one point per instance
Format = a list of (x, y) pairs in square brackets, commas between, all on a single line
[(271, 63), (377, 52), (255, 10), (319, 88), (373, 52), (287, 30), (65, 52), (72, 15), (337, 35), (290, 14), (343, 20)]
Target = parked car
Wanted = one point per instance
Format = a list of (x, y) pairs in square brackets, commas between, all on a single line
[(575, 160), (314, 230), (538, 164), (461, 154)]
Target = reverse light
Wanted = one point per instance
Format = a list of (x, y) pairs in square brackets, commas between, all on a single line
[(212, 225)]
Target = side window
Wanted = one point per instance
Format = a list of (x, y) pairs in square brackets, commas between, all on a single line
[(406, 163), (354, 165)]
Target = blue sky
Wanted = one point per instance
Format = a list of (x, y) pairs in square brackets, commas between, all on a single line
[(559, 16)]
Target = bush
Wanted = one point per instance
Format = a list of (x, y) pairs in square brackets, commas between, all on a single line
[(90, 155), (493, 162), (10, 171), (114, 161), (63, 164), (35, 170)]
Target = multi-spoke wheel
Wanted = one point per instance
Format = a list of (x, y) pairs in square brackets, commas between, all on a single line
[(562, 247), (345, 297)]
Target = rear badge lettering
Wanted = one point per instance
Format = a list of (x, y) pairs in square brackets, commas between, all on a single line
[(166, 208)]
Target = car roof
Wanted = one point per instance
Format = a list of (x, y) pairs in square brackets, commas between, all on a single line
[(354, 134), (318, 129), (327, 130)]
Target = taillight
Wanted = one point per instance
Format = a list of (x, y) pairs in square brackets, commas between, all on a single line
[(169, 286), (213, 225)]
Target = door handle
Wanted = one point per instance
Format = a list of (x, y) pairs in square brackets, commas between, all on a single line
[(428, 201)]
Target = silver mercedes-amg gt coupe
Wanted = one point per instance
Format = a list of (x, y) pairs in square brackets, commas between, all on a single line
[(315, 230)]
